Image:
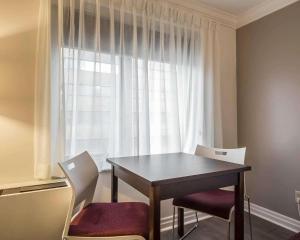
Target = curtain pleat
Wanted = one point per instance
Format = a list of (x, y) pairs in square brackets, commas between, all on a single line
[(42, 122)]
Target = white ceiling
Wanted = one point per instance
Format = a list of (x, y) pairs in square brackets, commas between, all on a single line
[(235, 7)]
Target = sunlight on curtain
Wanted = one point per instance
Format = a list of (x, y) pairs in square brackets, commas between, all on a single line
[(42, 157), (133, 77)]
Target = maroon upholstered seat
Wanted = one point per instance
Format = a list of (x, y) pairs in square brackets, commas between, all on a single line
[(296, 237), (215, 202), (111, 219)]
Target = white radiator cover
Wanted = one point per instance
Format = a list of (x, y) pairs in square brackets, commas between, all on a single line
[(29, 214)]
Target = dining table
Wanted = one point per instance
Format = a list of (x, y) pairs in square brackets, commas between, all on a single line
[(165, 176)]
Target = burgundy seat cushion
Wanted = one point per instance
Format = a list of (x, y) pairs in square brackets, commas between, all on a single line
[(296, 237), (215, 202), (111, 219)]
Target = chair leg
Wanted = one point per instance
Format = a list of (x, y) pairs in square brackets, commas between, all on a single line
[(192, 229), (173, 224), (250, 220), (228, 233)]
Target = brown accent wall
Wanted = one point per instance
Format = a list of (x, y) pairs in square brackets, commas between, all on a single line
[(268, 98)]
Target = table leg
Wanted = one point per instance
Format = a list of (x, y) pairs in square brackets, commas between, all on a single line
[(154, 216), (180, 221), (239, 208), (114, 186)]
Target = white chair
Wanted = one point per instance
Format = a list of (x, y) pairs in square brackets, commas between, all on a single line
[(220, 202), (99, 221), (297, 236)]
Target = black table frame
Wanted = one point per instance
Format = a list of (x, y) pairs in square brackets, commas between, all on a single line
[(157, 191)]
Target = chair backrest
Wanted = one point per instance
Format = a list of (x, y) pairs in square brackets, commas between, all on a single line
[(82, 173), (235, 155)]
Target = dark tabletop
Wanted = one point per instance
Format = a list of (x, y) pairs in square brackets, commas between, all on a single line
[(172, 167)]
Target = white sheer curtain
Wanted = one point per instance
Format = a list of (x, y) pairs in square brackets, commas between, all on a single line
[(42, 122), (132, 77)]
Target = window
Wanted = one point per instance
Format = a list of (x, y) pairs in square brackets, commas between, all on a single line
[(96, 104)]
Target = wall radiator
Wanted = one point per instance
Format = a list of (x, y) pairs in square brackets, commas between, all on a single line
[(34, 210)]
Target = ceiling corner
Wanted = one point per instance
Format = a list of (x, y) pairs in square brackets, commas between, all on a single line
[(261, 10)]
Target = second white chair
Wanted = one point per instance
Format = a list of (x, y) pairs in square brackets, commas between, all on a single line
[(219, 202)]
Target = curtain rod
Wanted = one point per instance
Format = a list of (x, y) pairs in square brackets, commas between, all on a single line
[(217, 20), (90, 9)]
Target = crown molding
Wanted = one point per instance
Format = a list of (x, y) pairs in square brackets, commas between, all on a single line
[(230, 20), (222, 17), (265, 8)]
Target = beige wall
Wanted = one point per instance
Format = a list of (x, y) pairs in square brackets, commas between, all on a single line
[(268, 83), (17, 59)]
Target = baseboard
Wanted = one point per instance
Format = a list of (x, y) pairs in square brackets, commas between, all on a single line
[(274, 217), (189, 217), (261, 212)]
